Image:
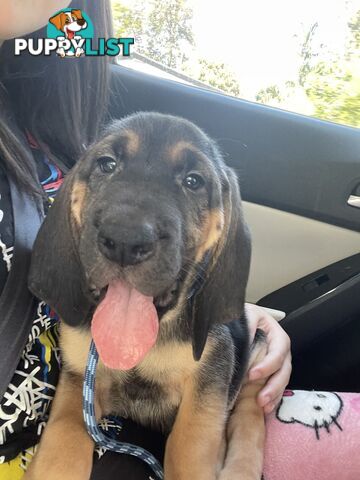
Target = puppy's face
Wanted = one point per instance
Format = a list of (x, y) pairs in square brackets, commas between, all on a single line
[(69, 22), (146, 205), (150, 206)]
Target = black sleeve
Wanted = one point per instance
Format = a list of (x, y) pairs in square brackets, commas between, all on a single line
[(6, 228)]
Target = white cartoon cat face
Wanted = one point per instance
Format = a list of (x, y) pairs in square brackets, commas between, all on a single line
[(312, 409)]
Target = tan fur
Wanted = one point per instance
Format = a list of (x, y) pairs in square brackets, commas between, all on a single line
[(175, 151), (194, 420), (196, 437), (66, 433), (58, 20), (246, 430), (75, 344), (77, 14), (174, 360), (215, 231), (186, 455), (170, 365), (208, 236), (212, 232), (133, 142), (78, 196)]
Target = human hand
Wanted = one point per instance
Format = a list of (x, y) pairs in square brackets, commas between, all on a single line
[(276, 365)]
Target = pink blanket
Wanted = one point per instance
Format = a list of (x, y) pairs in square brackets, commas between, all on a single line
[(314, 436)]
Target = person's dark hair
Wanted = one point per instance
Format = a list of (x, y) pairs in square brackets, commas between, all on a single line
[(61, 102)]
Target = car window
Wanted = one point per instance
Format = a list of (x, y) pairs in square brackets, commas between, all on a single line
[(302, 56)]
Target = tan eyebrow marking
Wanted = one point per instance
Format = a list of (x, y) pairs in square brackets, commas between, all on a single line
[(132, 143), (176, 150)]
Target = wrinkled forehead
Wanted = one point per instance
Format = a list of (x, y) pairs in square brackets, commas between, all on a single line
[(165, 143)]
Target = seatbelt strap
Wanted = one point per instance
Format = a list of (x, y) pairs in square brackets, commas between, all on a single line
[(17, 304)]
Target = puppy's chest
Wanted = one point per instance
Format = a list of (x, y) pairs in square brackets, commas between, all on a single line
[(151, 393)]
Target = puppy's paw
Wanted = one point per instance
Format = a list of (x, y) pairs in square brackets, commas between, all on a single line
[(79, 52), (238, 474)]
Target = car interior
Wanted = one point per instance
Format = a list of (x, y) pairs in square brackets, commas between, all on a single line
[(300, 185)]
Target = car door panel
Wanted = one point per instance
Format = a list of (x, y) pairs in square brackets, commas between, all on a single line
[(286, 247)]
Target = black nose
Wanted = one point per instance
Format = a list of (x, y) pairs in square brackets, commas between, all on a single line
[(127, 245), (80, 22)]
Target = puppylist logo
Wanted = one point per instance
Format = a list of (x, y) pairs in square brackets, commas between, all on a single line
[(70, 33)]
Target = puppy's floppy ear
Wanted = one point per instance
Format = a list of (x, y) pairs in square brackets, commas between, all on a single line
[(222, 296), (56, 275), (58, 20), (77, 14)]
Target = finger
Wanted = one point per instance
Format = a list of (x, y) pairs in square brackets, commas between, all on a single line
[(253, 320), (278, 351), (271, 406), (271, 363), (276, 384)]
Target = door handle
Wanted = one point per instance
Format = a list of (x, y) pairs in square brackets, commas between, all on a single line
[(354, 201)]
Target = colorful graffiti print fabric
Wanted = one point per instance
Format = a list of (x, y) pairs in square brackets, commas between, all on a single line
[(24, 407)]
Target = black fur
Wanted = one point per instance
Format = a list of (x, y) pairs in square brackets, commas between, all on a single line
[(56, 273), (67, 265), (70, 270)]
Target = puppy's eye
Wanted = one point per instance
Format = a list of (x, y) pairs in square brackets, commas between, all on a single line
[(107, 164), (193, 181), (67, 20)]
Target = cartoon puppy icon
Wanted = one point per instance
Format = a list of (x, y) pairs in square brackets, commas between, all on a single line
[(69, 23)]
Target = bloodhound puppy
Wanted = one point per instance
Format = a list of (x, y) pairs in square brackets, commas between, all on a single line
[(146, 250)]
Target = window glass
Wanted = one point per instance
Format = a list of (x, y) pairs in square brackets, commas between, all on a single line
[(302, 56)]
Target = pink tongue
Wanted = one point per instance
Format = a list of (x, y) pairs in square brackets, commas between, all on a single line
[(124, 326)]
